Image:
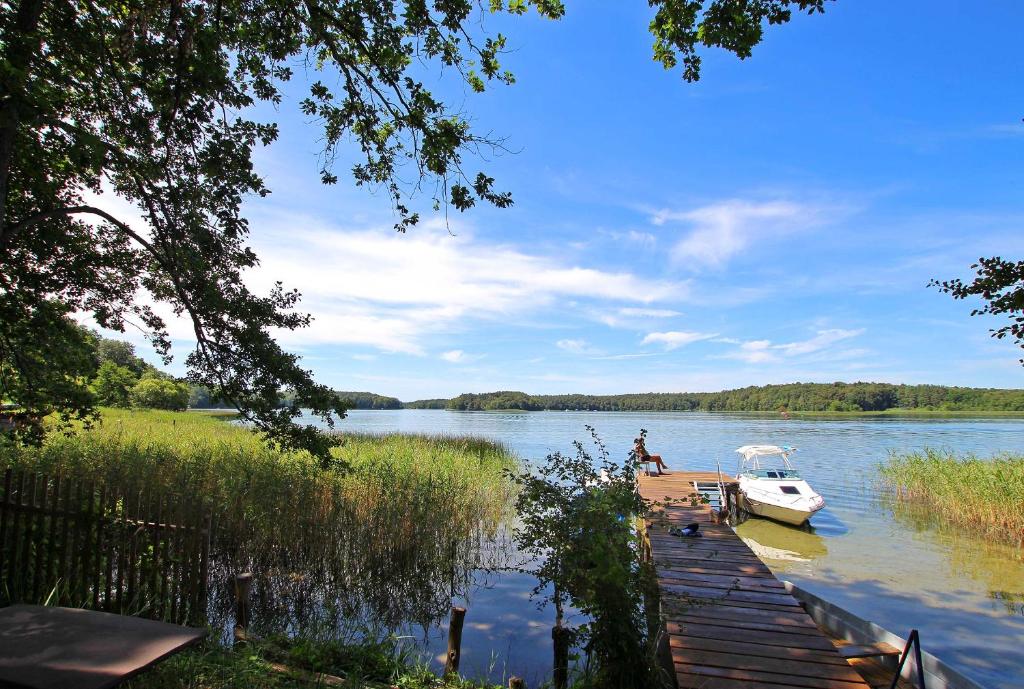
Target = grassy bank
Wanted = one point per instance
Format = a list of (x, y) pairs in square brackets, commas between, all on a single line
[(283, 663), (390, 540), (985, 495)]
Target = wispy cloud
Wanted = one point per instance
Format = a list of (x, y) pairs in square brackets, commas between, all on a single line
[(376, 288), (576, 347), (722, 230), (632, 317), (674, 339), (457, 356), (624, 357), (764, 351)]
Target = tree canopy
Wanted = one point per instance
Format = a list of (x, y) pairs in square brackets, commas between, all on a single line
[(151, 101), (811, 397)]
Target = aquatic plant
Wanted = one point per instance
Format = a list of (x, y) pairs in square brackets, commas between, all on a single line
[(985, 495), (392, 537)]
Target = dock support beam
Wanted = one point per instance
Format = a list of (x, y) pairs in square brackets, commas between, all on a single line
[(455, 640)]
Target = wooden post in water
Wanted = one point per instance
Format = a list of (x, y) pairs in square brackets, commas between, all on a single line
[(560, 674), (243, 589), (455, 640)]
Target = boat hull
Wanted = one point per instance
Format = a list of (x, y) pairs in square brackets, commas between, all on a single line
[(786, 515)]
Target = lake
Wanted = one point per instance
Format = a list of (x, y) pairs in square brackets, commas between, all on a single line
[(893, 567)]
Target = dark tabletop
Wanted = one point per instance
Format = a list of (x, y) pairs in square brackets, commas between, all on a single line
[(57, 648)]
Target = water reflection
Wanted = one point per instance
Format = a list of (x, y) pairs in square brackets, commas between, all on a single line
[(780, 543), (998, 567)]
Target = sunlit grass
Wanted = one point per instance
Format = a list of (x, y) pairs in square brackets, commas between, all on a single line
[(984, 495)]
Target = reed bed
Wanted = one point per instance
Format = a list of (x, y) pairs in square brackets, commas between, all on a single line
[(391, 539), (985, 495)]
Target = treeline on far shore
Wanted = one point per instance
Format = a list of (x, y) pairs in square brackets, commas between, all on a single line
[(796, 397)]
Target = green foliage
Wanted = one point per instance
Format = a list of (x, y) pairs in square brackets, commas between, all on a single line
[(372, 660), (46, 361), (986, 495), (767, 398), (681, 27), (114, 385), (576, 521), (367, 400), (160, 393), (151, 103), (1000, 284), (121, 354)]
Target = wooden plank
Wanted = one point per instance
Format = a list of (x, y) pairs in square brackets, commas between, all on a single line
[(875, 650), (790, 668), (712, 568), (758, 650), (767, 677), (744, 621), (38, 575), (65, 534), (5, 515), (729, 594), (97, 568), (686, 680), (51, 572), (778, 636), (110, 517), (721, 580), (88, 545)]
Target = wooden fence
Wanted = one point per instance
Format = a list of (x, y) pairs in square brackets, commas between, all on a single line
[(80, 544)]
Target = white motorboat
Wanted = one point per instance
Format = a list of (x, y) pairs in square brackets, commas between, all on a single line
[(777, 491)]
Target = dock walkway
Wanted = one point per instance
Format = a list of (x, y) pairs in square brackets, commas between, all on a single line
[(731, 624)]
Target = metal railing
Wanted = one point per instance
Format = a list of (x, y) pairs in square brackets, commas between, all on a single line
[(913, 641)]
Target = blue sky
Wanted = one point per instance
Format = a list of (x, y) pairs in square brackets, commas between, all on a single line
[(776, 222)]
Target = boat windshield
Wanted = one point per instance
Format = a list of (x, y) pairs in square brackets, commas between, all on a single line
[(778, 474)]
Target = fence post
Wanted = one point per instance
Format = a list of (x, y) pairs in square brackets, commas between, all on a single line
[(243, 589), (455, 640), (560, 674)]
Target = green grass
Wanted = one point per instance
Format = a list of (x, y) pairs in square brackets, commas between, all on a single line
[(389, 539), (377, 663), (985, 495)]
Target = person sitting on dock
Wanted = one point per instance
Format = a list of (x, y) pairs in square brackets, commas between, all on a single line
[(645, 457)]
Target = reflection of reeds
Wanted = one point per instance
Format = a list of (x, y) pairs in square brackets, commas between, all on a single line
[(986, 495), (391, 540)]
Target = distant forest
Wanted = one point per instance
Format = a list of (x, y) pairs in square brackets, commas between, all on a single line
[(811, 397)]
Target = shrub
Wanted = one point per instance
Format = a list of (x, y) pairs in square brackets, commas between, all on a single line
[(160, 393)]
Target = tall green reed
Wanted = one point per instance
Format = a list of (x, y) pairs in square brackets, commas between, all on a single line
[(986, 495), (392, 538)]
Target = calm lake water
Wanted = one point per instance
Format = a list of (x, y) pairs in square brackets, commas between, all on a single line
[(897, 569)]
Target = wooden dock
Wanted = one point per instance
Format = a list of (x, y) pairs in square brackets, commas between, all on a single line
[(730, 623)]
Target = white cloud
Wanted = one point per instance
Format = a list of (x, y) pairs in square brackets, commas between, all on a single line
[(631, 317), (575, 346), (388, 291), (649, 313), (763, 351), (364, 357), (454, 356), (457, 356), (722, 230), (674, 339), (823, 339)]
